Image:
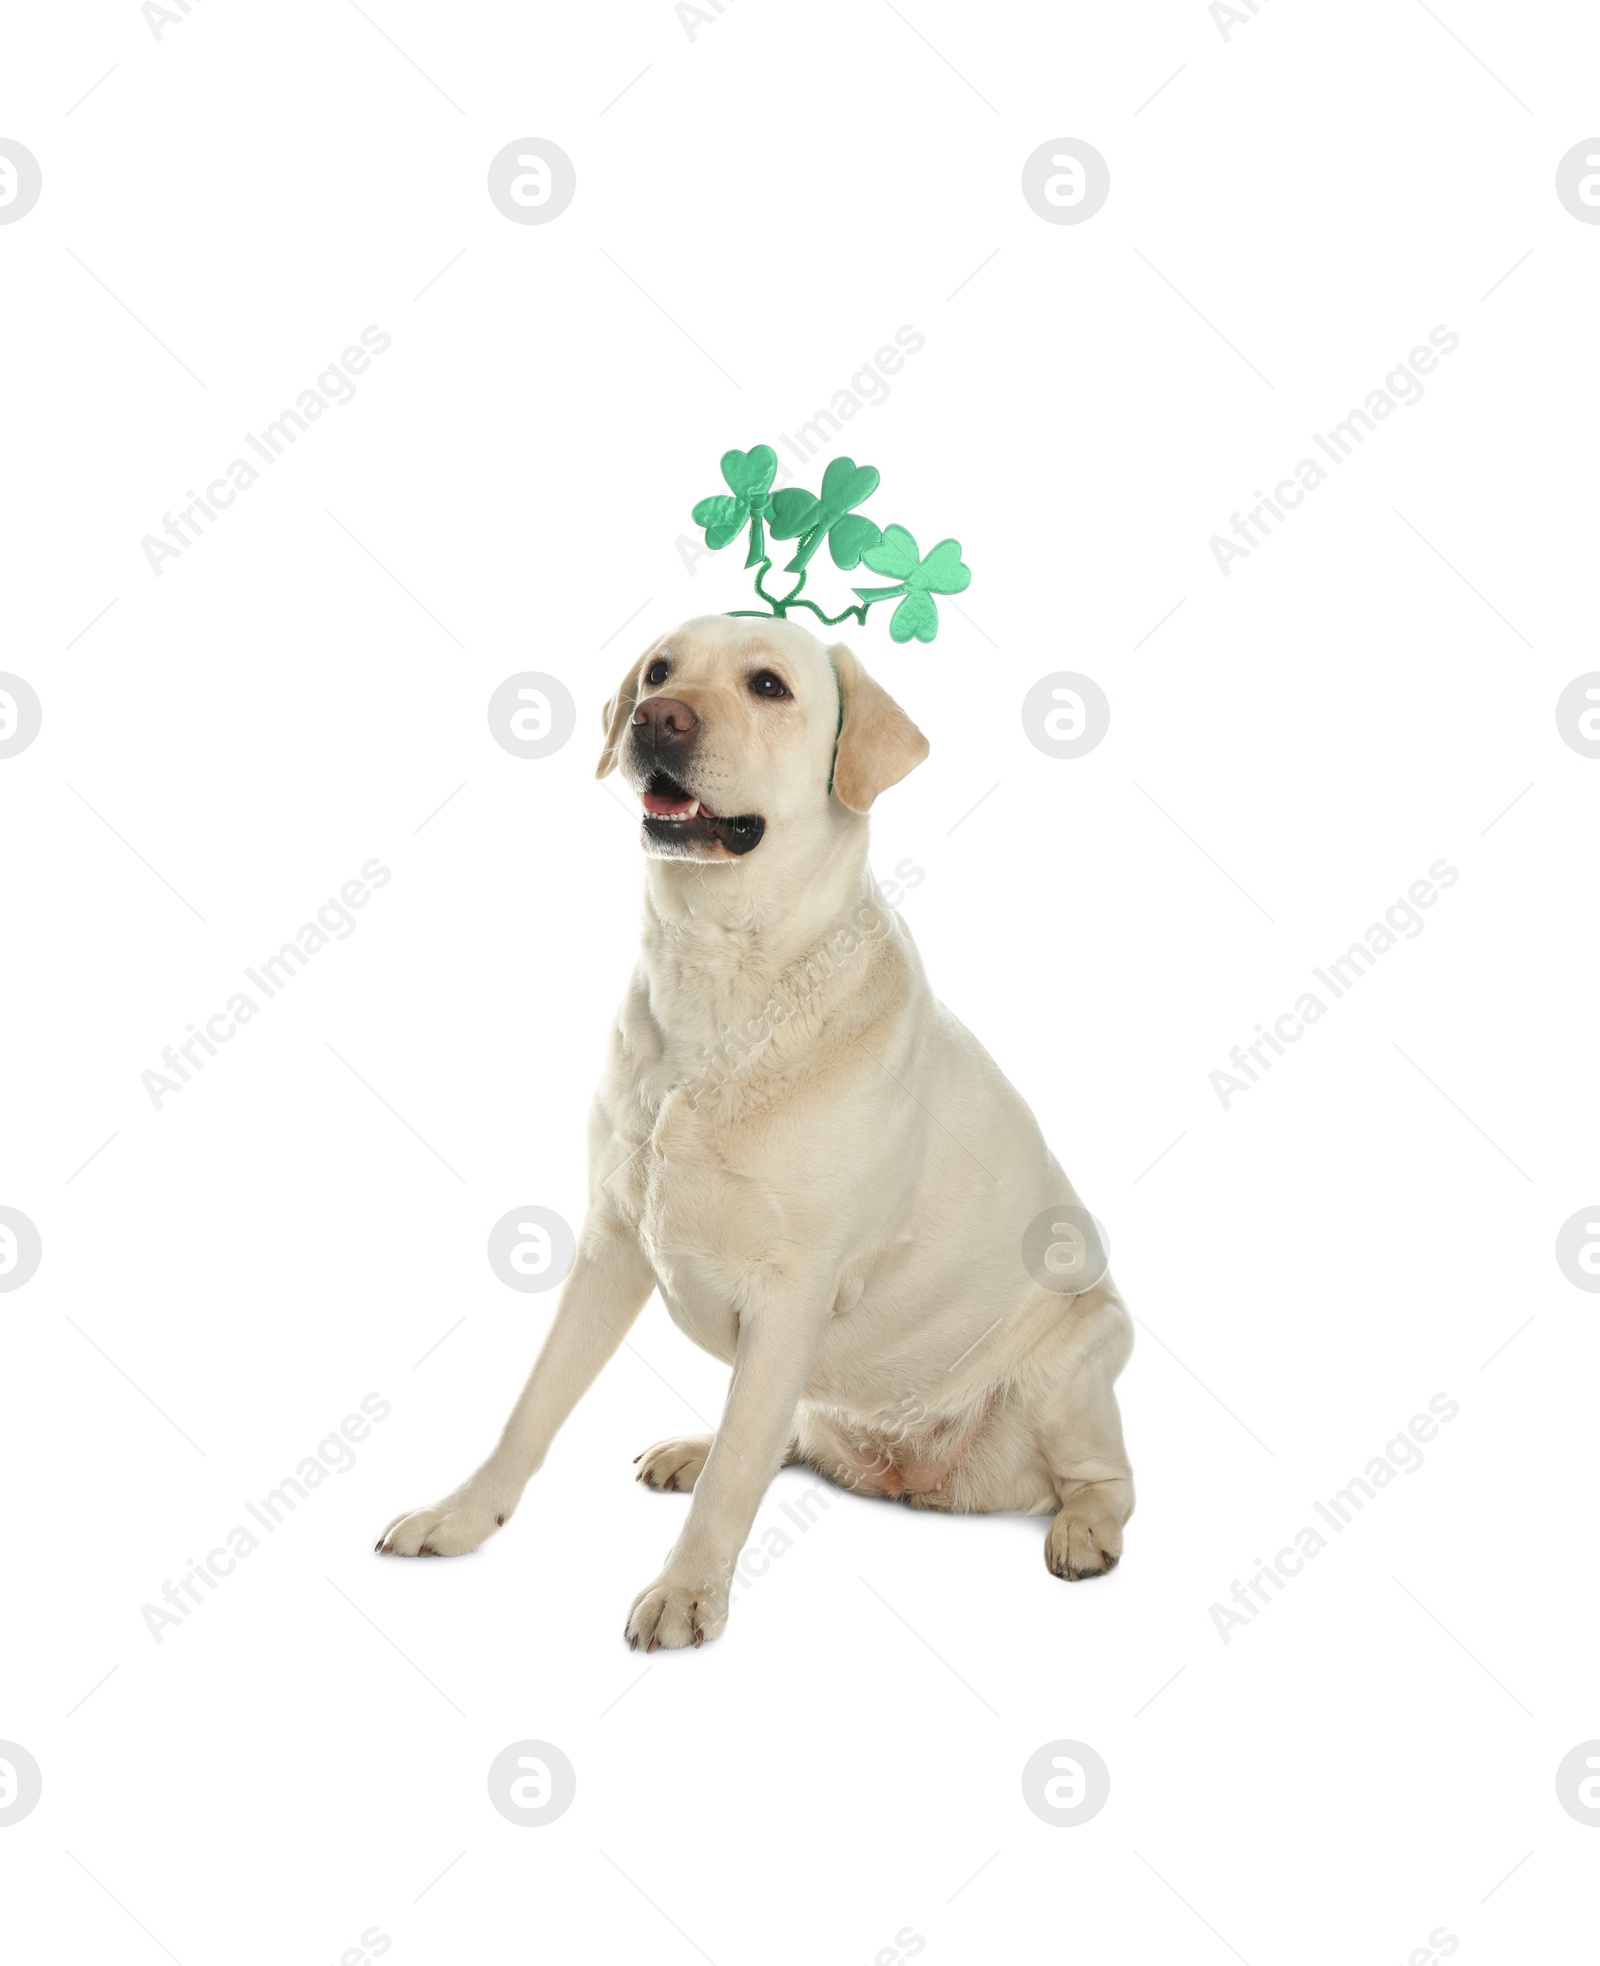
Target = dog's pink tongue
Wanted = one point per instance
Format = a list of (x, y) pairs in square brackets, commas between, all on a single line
[(663, 807)]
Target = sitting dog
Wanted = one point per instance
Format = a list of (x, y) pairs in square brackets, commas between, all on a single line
[(823, 1173)]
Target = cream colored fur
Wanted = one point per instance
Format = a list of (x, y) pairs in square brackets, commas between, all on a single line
[(823, 1173)]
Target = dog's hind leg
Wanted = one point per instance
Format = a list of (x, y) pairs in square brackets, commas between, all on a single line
[(674, 1464)]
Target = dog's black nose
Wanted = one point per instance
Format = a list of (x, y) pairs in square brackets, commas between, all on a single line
[(664, 724)]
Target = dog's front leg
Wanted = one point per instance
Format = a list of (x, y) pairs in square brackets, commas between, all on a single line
[(603, 1294), (772, 1360)]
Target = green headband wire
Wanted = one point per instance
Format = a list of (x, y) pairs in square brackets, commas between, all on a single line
[(852, 541)]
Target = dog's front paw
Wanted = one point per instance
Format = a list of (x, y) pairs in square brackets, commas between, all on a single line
[(454, 1527), (1080, 1546), (672, 1613)]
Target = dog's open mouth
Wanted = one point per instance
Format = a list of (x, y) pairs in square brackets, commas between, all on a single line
[(675, 818)]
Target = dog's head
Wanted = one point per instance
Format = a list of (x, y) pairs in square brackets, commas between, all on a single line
[(730, 727)]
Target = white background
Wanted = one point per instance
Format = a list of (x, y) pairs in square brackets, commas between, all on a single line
[(769, 200)]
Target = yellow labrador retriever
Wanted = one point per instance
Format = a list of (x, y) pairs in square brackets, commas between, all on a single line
[(824, 1174)]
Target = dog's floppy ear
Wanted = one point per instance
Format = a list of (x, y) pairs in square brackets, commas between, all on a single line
[(878, 743), (618, 715)]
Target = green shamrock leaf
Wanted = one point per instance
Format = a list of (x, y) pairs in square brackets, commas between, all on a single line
[(793, 512), (845, 485), (849, 538), (895, 554), (748, 476), (916, 617), (942, 572)]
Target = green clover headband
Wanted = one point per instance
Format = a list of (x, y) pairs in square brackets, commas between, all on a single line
[(852, 540)]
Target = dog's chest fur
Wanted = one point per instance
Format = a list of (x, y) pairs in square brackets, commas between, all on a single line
[(716, 1092)]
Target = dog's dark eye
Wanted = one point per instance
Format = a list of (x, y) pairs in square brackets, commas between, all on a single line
[(764, 683), (657, 672)]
